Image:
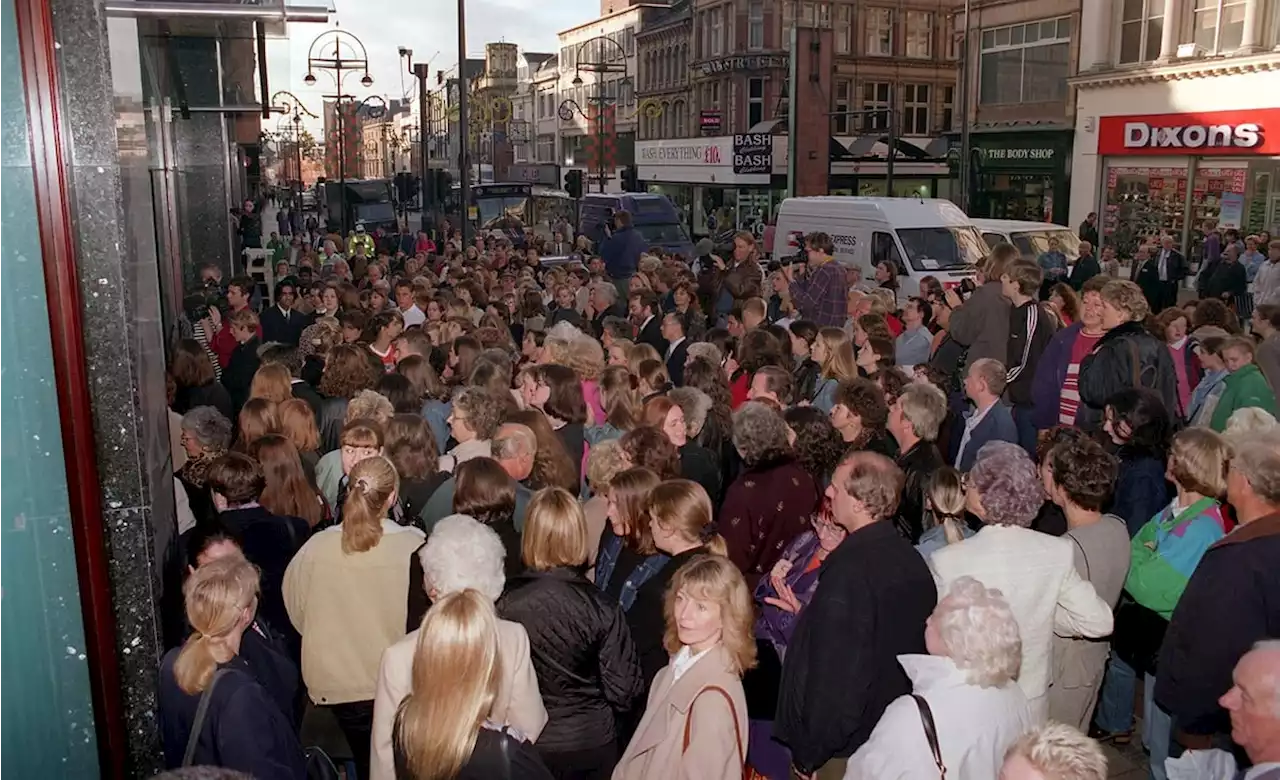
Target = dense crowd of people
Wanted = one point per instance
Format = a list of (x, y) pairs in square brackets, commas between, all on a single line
[(646, 516)]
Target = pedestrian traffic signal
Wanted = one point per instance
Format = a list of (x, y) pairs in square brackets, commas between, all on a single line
[(630, 179), (573, 183)]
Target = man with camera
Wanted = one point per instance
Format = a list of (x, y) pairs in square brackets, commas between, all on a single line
[(817, 283), (980, 322)]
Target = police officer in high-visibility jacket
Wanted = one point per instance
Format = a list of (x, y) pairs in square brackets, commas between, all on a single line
[(360, 238)]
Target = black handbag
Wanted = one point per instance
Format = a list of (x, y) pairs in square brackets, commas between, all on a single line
[(1138, 634)]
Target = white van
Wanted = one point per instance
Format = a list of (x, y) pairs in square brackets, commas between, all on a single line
[(920, 236), (1031, 238)]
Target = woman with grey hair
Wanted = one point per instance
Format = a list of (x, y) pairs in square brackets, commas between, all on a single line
[(695, 404), (706, 350), (461, 553), (206, 434), (968, 685), (1035, 570), (773, 499)]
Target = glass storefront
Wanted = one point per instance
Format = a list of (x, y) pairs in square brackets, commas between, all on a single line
[(708, 210), (903, 187), (1146, 199)]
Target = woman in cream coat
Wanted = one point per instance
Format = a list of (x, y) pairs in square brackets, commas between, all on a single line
[(695, 723), (461, 553)]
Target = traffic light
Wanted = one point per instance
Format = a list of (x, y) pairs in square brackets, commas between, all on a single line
[(630, 179), (573, 183)]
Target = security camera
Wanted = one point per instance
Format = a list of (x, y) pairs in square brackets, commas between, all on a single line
[(405, 52)]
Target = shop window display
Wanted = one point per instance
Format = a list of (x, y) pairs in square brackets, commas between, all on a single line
[(1144, 203)]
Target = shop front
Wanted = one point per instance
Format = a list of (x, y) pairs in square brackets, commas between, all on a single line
[(1020, 174), (717, 184), (1150, 172)]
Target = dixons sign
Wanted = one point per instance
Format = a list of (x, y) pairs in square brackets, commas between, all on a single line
[(1206, 133)]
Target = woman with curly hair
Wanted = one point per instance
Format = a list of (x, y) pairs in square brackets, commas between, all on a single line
[(1036, 572), (860, 415), (817, 444), (347, 371), (650, 448), (206, 434), (474, 418), (771, 502), (759, 348)]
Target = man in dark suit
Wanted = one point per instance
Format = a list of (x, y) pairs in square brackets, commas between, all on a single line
[(1161, 274), (841, 669), (677, 347), (644, 309), (281, 323), (1086, 267)]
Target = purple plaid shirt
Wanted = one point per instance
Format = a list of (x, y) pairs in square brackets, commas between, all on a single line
[(821, 297)]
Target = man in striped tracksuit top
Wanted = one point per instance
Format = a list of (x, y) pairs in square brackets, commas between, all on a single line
[(1031, 326)]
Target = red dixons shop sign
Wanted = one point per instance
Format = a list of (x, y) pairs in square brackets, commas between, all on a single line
[(1223, 133)]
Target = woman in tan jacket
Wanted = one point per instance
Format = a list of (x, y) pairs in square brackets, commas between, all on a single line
[(344, 592), (695, 724), (461, 554)]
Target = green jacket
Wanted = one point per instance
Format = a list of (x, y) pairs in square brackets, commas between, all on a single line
[(1242, 389)]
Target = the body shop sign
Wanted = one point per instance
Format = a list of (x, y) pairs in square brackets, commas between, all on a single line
[(1206, 133)]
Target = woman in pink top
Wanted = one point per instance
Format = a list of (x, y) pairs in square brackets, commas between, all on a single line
[(1171, 325)]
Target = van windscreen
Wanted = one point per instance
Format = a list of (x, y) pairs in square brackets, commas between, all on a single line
[(1032, 244), (941, 248), (669, 233)]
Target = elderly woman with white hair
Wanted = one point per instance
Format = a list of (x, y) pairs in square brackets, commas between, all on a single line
[(1036, 571), (460, 554), (967, 685)]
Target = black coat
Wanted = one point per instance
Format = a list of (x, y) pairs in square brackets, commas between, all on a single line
[(270, 542), (237, 377), (496, 755), (1085, 269), (1231, 601), (583, 655), (647, 618), (841, 669), (917, 463), (1110, 368), (806, 380), (304, 391), (243, 730), (330, 420), (651, 334), (282, 329), (211, 394), (675, 362), (1228, 280), (702, 466)]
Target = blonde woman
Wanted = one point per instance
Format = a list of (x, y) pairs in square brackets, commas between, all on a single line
[(833, 351), (344, 592), (462, 554), (273, 382), (442, 729), (585, 660), (944, 502), (695, 723), (243, 728)]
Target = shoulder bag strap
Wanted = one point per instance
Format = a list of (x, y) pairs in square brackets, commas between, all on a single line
[(737, 732), (930, 733), (202, 709)]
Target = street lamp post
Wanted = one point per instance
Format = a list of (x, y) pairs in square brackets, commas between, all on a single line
[(291, 107), (340, 53), (602, 56)]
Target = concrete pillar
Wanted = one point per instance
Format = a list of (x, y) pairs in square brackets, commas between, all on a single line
[(1169, 32), (1251, 40), (1101, 19), (813, 136)]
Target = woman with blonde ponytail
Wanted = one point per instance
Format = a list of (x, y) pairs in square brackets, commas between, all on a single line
[(944, 502), (680, 520), (442, 731), (344, 592), (242, 727)]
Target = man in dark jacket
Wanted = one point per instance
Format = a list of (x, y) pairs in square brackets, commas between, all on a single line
[(1089, 228), (1086, 267), (282, 323), (914, 420), (645, 311), (1231, 601), (621, 251), (841, 669), (1031, 328), (1163, 273)]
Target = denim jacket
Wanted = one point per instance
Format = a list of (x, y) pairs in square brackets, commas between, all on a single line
[(610, 546)]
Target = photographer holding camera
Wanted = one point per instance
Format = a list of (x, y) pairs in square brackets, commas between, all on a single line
[(980, 322), (817, 283)]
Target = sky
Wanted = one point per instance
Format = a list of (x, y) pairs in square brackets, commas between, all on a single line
[(429, 27)]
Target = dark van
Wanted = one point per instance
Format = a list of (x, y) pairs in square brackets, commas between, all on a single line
[(652, 215)]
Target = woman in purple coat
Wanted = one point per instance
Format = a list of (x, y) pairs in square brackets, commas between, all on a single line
[(781, 597)]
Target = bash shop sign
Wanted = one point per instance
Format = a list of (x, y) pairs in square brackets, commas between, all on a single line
[(1208, 133), (753, 153)]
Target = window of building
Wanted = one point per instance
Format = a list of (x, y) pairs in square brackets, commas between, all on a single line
[(808, 14), (1218, 25), (875, 97), (681, 112), (824, 15), (546, 148), (717, 31), (880, 32), (919, 34), (841, 122), (629, 40), (844, 29), (948, 108), (715, 94), (682, 63), (1141, 27), (704, 40), (755, 102), (755, 25), (1025, 63), (915, 109)]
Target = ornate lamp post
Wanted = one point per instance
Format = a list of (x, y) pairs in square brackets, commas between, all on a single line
[(601, 56), (341, 53), (293, 110)]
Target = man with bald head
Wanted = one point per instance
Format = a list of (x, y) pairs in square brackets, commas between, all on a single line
[(1254, 705), (514, 447)]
